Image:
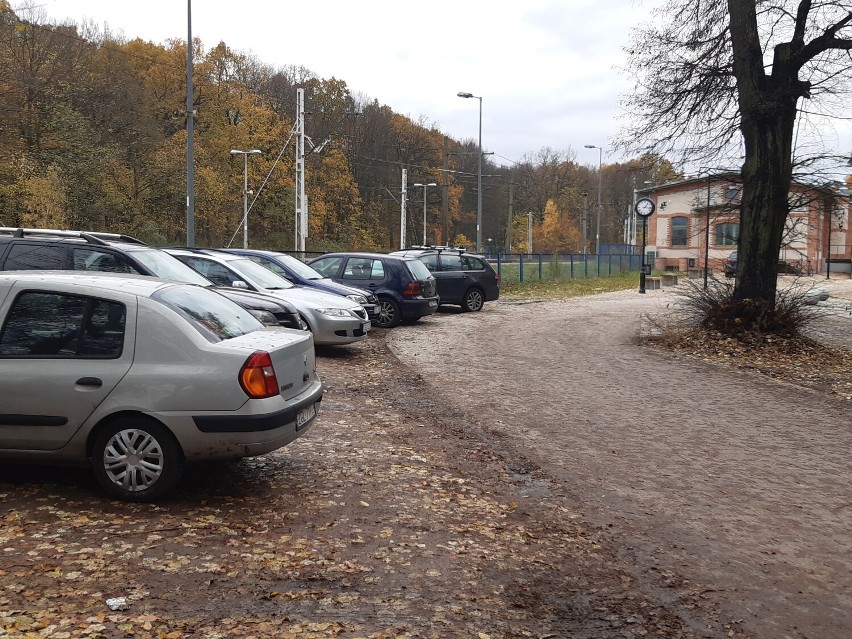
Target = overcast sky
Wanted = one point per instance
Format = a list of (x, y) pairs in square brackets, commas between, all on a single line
[(548, 71)]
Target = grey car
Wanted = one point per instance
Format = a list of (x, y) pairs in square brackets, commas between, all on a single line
[(38, 249), (295, 270), (333, 319), (136, 376)]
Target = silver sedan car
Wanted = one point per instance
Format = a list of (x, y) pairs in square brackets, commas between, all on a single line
[(333, 319), (136, 376)]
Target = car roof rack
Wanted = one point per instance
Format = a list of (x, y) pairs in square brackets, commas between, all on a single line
[(431, 247), (94, 237), (194, 249)]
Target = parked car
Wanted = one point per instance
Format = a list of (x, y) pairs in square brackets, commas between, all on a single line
[(333, 319), (27, 249), (463, 279), (136, 376), (784, 267), (404, 286), (298, 272)]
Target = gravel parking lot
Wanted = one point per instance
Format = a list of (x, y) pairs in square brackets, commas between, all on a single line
[(527, 471)]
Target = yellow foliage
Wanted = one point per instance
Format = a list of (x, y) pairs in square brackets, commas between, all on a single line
[(557, 233), (44, 201)]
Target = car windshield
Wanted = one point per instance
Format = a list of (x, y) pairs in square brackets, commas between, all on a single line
[(298, 266), (168, 267), (418, 269), (259, 275), (211, 314)]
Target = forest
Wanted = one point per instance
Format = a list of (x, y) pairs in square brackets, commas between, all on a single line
[(93, 136)]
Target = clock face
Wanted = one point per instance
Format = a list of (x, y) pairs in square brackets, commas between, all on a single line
[(645, 207)]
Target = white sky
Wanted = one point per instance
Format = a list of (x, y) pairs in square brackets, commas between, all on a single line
[(546, 69)]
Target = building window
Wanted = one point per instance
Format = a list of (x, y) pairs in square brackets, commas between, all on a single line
[(680, 231), (727, 234)]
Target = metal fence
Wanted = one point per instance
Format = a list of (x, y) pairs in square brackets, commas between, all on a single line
[(544, 267)]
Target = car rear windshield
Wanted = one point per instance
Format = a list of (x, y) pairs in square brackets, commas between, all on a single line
[(418, 269), (211, 314)]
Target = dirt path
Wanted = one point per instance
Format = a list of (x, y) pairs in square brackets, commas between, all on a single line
[(738, 485)]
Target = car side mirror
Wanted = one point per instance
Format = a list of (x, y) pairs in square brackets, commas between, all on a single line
[(239, 284)]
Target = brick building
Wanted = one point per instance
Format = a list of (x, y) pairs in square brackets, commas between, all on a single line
[(817, 227)]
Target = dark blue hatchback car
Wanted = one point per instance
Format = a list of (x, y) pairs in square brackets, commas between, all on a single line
[(405, 287), (300, 273)]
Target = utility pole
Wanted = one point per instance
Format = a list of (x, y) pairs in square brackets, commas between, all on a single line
[(402, 209), (511, 217), (445, 204), (190, 129), (529, 233), (301, 216)]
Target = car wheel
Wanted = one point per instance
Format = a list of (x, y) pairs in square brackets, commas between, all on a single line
[(136, 459), (473, 300), (389, 314)]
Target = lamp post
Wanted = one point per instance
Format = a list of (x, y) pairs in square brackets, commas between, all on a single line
[(424, 207), (707, 235), (463, 94), (245, 155), (598, 223)]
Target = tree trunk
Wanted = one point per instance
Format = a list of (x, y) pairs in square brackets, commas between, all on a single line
[(766, 177), (767, 119)]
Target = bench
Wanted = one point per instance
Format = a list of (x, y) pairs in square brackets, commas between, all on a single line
[(652, 283), (669, 279)]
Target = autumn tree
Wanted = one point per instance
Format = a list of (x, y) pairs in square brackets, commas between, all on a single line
[(714, 74), (557, 233)]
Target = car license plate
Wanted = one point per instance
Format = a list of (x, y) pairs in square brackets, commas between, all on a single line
[(305, 415), (366, 326), (433, 304)]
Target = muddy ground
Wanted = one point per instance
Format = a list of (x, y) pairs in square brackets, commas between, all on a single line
[(527, 471)]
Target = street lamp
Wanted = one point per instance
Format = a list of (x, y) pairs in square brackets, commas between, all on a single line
[(598, 224), (245, 155), (424, 207), (463, 94)]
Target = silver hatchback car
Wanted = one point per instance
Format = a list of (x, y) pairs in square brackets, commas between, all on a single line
[(137, 375)]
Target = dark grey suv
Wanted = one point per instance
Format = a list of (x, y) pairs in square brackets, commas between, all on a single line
[(462, 278), (44, 249)]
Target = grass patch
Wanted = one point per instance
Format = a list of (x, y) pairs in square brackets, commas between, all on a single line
[(576, 287)]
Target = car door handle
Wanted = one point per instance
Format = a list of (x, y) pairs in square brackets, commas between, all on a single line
[(90, 381)]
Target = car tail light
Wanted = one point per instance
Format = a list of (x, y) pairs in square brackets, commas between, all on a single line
[(496, 277), (413, 288), (257, 377)]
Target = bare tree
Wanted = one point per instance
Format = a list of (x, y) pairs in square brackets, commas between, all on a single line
[(717, 78)]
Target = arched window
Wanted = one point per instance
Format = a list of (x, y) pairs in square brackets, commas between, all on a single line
[(727, 234), (680, 231)]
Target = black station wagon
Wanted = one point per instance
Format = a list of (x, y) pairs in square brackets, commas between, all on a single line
[(462, 278)]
